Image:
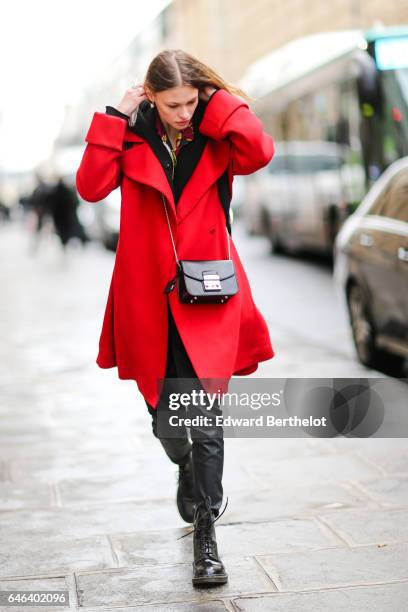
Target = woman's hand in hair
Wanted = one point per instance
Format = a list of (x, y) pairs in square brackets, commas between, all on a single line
[(206, 93), (132, 98)]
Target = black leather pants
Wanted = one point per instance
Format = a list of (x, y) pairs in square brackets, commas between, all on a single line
[(207, 443)]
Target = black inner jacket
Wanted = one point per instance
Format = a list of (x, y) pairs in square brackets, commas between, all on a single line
[(188, 156)]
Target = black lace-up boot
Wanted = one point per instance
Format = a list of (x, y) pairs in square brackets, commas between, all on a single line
[(208, 568), (185, 490)]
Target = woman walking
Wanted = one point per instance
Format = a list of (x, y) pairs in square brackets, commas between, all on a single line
[(175, 165)]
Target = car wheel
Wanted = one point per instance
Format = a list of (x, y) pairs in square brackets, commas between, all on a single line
[(363, 332), (275, 245)]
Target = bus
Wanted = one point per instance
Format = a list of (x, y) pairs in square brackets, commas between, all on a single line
[(336, 104)]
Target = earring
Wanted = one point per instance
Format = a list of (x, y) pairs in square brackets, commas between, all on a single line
[(152, 104)]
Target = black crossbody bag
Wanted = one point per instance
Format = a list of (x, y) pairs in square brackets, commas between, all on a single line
[(203, 281)]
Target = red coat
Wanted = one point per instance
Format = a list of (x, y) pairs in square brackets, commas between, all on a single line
[(220, 339)]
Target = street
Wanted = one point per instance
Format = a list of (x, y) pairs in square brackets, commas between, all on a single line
[(87, 495)]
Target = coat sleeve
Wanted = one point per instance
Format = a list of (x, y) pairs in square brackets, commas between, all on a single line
[(99, 171), (228, 117)]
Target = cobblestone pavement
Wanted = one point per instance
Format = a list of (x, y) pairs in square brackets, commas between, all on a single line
[(87, 494)]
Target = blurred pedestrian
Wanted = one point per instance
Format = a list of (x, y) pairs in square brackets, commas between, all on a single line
[(173, 144), (40, 204), (4, 212), (63, 207)]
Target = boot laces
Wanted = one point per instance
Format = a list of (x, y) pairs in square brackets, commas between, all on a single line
[(204, 526)]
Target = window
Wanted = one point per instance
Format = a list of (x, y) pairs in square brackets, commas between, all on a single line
[(393, 200), (277, 164)]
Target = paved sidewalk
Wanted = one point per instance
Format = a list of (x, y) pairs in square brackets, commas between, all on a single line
[(87, 494)]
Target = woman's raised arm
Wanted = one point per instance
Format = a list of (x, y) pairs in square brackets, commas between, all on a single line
[(99, 170), (226, 116)]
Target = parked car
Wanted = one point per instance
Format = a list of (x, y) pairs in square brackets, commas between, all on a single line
[(254, 211), (371, 271), (302, 197), (238, 201)]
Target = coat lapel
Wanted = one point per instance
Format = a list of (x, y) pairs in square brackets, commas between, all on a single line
[(212, 164), (141, 165)]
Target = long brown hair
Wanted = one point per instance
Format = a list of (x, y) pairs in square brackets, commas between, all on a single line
[(175, 68)]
